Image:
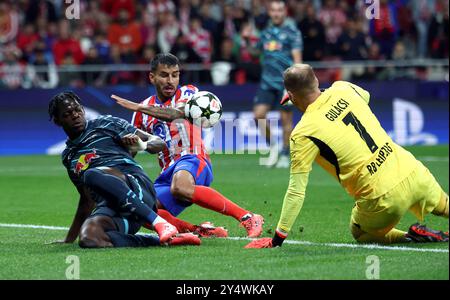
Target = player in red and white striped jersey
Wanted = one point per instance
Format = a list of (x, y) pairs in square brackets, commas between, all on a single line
[(186, 167), (181, 136)]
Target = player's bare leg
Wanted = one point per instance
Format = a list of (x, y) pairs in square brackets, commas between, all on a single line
[(205, 229), (286, 123), (181, 225), (183, 188), (93, 232), (260, 112)]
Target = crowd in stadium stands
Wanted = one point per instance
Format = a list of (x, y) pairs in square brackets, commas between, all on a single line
[(36, 33)]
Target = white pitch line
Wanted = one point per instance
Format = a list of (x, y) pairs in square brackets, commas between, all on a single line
[(342, 245), (432, 158), (33, 226), (304, 243)]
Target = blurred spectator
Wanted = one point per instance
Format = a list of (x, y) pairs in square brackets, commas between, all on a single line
[(95, 78), (259, 14), (214, 9), (352, 44), (184, 52), (399, 54), (41, 70), (422, 12), (48, 32), (313, 35), (66, 48), (298, 9), (156, 8), (186, 55), (438, 38), (113, 7), (67, 77), (125, 33), (199, 39), (120, 57), (407, 29), (384, 30), (40, 9), (9, 23), (184, 13), (373, 54), (42, 30), (227, 28), (406, 24), (26, 40), (148, 30), (248, 68), (148, 53), (92, 19), (168, 32), (240, 16), (12, 71), (103, 47), (333, 19), (228, 52), (208, 21), (222, 71)]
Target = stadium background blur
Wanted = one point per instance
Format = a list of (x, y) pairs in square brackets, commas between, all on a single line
[(38, 42)]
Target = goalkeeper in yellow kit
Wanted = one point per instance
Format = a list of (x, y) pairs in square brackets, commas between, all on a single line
[(339, 131)]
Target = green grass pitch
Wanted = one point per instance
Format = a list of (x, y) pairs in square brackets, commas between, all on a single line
[(36, 190)]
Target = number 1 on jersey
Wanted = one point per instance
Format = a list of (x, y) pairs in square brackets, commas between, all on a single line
[(350, 118)]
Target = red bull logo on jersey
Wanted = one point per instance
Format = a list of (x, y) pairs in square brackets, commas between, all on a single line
[(273, 46), (84, 161)]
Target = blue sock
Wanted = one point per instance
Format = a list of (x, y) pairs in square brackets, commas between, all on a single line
[(132, 240), (152, 216)]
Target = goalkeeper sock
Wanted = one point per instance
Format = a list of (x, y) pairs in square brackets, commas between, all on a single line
[(211, 199), (181, 225), (130, 240), (278, 238)]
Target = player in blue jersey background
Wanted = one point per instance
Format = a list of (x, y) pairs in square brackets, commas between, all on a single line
[(280, 46)]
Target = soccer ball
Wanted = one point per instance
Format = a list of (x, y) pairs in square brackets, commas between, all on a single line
[(204, 109)]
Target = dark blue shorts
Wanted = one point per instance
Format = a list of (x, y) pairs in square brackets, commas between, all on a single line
[(271, 97), (139, 183), (199, 168), (124, 224)]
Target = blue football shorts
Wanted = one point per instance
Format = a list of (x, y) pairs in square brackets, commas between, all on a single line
[(199, 168)]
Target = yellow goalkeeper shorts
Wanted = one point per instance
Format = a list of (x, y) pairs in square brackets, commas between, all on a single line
[(419, 193)]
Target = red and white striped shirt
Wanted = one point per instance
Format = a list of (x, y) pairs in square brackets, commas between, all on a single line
[(181, 136)]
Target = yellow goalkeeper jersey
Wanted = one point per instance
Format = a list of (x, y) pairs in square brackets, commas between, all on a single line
[(340, 133)]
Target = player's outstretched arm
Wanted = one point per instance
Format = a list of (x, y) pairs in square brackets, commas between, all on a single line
[(292, 204), (163, 113), (85, 207)]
